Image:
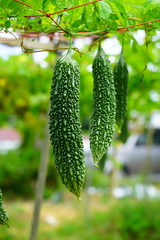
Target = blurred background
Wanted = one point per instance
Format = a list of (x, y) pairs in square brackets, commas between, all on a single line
[(121, 199)]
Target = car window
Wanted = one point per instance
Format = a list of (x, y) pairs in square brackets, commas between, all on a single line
[(156, 137), (142, 139)]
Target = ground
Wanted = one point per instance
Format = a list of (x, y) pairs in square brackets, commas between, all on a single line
[(53, 217)]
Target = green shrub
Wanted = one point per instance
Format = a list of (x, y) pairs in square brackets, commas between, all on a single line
[(19, 169), (130, 220)]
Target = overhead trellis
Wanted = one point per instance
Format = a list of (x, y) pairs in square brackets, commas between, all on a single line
[(78, 18)]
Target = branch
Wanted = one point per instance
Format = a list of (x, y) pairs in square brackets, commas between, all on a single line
[(49, 50), (20, 43), (136, 25), (46, 14), (88, 33), (58, 25), (22, 3), (64, 9)]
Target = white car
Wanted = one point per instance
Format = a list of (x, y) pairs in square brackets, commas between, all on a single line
[(136, 156)]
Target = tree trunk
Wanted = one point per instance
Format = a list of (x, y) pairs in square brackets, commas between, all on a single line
[(113, 177), (40, 185)]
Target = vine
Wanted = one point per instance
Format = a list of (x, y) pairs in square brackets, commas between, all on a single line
[(146, 52), (82, 33), (64, 10), (112, 6)]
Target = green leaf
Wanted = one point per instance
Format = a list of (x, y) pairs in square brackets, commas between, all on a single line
[(45, 3), (151, 9), (84, 15), (7, 24), (113, 16), (75, 26), (93, 22), (75, 17), (61, 4), (37, 4), (16, 8), (111, 24), (85, 19), (6, 2), (104, 9), (148, 2), (134, 45), (119, 10)]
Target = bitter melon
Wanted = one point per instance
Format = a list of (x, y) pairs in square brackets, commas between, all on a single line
[(104, 106), (102, 162), (64, 123), (124, 131), (3, 213), (121, 84)]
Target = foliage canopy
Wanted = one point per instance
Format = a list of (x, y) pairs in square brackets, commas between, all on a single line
[(104, 15)]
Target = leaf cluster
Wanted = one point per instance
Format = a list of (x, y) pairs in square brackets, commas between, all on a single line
[(105, 15)]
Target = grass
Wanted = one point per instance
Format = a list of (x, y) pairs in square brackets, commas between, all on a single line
[(126, 219), (96, 218)]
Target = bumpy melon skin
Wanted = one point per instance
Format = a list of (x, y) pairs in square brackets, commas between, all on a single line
[(3, 213), (104, 106), (121, 85), (64, 124)]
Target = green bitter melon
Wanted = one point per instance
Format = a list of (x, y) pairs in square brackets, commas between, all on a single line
[(102, 162), (124, 131), (121, 84), (64, 123), (3, 213), (104, 106)]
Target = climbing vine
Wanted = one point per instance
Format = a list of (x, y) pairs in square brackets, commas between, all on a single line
[(78, 18)]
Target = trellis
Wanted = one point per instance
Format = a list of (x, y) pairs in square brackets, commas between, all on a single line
[(92, 34), (95, 34)]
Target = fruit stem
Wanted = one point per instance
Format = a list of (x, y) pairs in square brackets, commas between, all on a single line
[(70, 45)]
